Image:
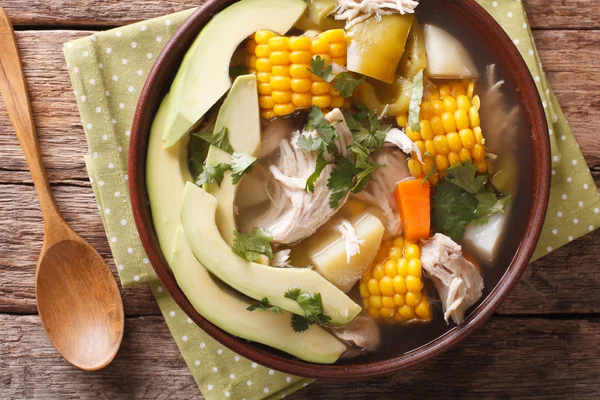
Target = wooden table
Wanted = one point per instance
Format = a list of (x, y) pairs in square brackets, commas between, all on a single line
[(544, 341)]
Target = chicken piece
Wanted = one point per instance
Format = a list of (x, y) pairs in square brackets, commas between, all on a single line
[(361, 335), (458, 282), (294, 212), (356, 11), (380, 190)]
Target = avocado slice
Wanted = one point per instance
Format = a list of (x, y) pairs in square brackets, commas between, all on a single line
[(166, 175), (203, 77), (240, 115), (252, 279)]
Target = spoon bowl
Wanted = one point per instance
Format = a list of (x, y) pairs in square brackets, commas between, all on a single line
[(78, 299)]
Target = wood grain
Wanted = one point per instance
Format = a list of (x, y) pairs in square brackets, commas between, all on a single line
[(504, 359), (580, 14)]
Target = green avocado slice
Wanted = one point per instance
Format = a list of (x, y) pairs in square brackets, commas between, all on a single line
[(166, 175), (203, 77), (252, 279)]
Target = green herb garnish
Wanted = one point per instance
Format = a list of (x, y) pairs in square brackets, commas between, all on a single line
[(416, 97), (241, 164), (312, 306), (372, 137), (219, 139), (252, 246), (319, 69), (345, 84), (212, 174), (433, 169), (264, 305), (462, 198), (321, 164)]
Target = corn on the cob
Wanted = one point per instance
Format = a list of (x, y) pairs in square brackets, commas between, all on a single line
[(450, 131), (281, 64), (393, 289)]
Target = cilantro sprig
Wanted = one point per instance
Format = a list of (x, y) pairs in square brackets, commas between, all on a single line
[(416, 97), (312, 306), (218, 139), (373, 136), (241, 164), (264, 305), (463, 198), (212, 174), (252, 246), (343, 83)]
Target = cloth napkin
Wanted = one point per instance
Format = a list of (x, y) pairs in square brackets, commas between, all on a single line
[(108, 70)]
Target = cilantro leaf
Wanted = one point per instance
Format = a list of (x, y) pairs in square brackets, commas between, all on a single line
[(321, 164), (341, 181), (196, 155), (317, 121), (264, 305), (252, 246), (464, 176), (345, 84), (241, 164), (319, 69), (310, 143), (416, 97), (212, 174), (219, 139), (373, 138), (312, 306), (453, 208), (237, 70), (489, 204)]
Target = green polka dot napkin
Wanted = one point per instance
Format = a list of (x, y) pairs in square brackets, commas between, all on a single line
[(108, 70)]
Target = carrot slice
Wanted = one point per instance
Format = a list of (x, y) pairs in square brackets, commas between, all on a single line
[(414, 203)]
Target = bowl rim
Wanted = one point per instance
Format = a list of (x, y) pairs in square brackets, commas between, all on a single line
[(149, 99)]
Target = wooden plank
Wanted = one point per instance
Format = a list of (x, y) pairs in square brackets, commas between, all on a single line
[(572, 14), (566, 281), (507, 358)]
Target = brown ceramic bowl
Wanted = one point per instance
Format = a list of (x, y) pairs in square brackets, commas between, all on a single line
[(536, 153)]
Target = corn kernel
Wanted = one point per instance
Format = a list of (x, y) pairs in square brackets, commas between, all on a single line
[(375, 301), (279, 43), (438, 107), (320, 44), (445, 91), (386, 286), (366, 303), (398, 299), (421, 145), (422, 310), (454, 142), (390, 268), (453, 158), (481, 166), (478, 135), (450, 104), (318, 88), (364, 292), (413, 284), (284, 109), (335, 35), (426, 110), (300, 71), (478, 152), (281, 96), (465, 155), (265, 88), (414, 166), (437, 126), (441, 144), (435, 179), (398, 242), (300, 43), (373, 286), (457, 89), (388, 302), (426, 130), (281, 70), (378, 271), (300, 57), (264, 77), (434, 96), (252, 62), (413, 135), (395, 253), (441, 161), (462, 119), (399, 284), (474, 117), (412, 251), (373, 312), (266, 102), (402, 267), (337, 49), (280, 57), (476, 102), (406, 312), (281, 83), (448, 121), (412, 299), (341, 61), (262, 51), (430, 147), (386, 312), (301, 100), (467, 138), (414, 267), (322, 101), (301, 85), (337, 101), (268, 114), (263, 36), (463, 103), (250, 46)]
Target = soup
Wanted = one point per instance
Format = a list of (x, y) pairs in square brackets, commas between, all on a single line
[(346, 189)]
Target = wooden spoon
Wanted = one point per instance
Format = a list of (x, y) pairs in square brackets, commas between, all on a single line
[(77, 296)]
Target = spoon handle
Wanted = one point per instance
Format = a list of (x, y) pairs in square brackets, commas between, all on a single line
[(14, 92)]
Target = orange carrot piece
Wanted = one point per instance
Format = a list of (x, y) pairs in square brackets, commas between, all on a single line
[(414, 204)]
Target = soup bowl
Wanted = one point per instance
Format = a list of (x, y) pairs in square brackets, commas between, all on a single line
[(534, 160)]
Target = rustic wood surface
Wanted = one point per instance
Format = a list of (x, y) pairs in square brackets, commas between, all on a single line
[(543, 342)]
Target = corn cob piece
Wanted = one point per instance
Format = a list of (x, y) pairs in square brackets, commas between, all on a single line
[(450, 131), (281, 64), (393, 289)]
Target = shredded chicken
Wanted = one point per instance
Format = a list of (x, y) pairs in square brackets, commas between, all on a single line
[(458, 282), (281, 259), (351, 240), (295, 213), (380, 190), (356, 11), (397, 137), (361, 335)]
